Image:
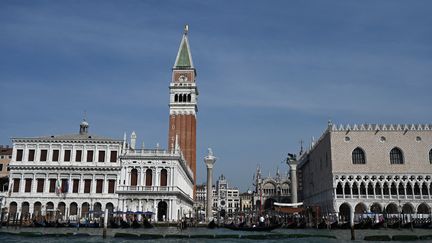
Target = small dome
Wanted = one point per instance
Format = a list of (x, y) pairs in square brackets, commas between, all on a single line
[(84, 123)]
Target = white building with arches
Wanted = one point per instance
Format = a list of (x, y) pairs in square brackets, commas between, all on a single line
[(64, 176), (70, 177), (367, 168), (155, 180)]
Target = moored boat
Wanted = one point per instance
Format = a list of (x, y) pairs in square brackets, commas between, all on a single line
[(253, 227)]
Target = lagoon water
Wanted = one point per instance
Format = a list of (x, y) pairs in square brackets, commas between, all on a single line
[(96, 234)]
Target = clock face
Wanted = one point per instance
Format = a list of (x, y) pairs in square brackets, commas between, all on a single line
[(182, 78)]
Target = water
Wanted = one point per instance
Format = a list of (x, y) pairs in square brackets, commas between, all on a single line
[(96, 234)]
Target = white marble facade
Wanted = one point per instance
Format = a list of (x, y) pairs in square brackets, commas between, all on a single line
[(67, 176)]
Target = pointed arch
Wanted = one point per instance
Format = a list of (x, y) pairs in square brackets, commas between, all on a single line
[(407, 208), (347, 189), (393, 189), (376, 208), (339, 189), (358, 156), (392, 208), (363, 188), (360, 208), (386, 188), (416, 189), (396, 156), (430, 156), (423, 208), (344, 212), (424, 189), (355, 189), (370, 189), (378, 188), (401, 189), (409, 189)]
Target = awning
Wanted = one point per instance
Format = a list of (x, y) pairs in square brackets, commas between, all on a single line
[(288, 204)]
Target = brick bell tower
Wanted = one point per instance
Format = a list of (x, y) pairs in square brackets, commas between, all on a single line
[(183, 104)]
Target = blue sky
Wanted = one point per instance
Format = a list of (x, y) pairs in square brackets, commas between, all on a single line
[(269, 73)]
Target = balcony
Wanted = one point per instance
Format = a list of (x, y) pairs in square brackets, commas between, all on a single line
[(148, 189), (147, 152)]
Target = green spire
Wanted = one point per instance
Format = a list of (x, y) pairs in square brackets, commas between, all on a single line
[(184, 57)]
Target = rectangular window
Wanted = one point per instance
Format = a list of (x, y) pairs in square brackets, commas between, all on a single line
[(31, 155), (16, 185), (87, 185), (55, 156), (40, 185), (52, 185), (28, 184), (113, 157), (101, 157), (43, 155), (75, 185), (65, 185), (78, 156), (99, 185), (111, 185), (19, 155), (67, 155), (89, 155)]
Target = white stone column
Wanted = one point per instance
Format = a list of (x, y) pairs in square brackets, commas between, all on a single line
[(351, 216), (209, 161), (293, 172), (22, 183), (343, 189), (170, 210), (172, 183), (105, 185), (155, 210), (93, 185), (70, 185), (156, 181), (81, 184), (33, 185), (141, 176)]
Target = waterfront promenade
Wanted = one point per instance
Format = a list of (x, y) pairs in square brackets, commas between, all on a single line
[(14, 234)]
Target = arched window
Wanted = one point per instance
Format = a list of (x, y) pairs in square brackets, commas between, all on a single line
[(358, 156), (396, 156), (430, 156), (189, 97), (339, 189), (180, 99), (184, 98), (134, 177), (176, 98), (163, 178), (149, 177)]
